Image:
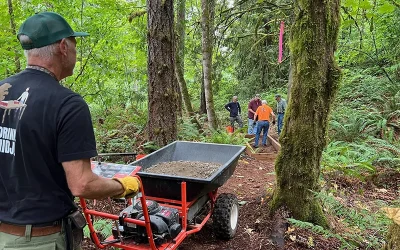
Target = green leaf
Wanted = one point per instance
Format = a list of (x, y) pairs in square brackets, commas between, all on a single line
[(366, 5), (347, 23), (386, 8), (349, 3), (369, 15)]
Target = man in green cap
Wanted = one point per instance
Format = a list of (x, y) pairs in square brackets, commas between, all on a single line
[(46, 142)]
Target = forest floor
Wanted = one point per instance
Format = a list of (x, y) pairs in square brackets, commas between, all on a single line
[(252, 183)]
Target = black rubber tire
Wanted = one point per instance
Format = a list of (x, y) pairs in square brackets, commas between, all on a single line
[(225, 216)]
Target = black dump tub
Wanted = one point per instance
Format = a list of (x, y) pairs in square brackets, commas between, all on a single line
[(169, 187)]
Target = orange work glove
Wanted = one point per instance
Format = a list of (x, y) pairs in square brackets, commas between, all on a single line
[(131, 186)]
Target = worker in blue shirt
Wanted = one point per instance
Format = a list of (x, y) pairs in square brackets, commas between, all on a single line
[(234, 112)]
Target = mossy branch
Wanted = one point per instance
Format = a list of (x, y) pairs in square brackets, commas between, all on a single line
[(136, 14)]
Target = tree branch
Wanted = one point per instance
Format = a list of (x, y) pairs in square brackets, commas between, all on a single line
[(355, 22), (136, 14), (395, 3), (92, 94)]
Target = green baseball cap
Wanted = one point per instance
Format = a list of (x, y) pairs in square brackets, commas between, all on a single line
[(46, 28)]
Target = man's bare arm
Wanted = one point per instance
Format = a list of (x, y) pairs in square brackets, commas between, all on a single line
[(251, 111), (273, 115), (84, 183)]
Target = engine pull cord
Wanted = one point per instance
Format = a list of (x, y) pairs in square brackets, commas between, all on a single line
[(115, 222)]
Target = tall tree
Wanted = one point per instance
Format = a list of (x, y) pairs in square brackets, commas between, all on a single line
[(180, 55), (207, 25), (162, 103), (13, 31), (315, 81), (203, 106)]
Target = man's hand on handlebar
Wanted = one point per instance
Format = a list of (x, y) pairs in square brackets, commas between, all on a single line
[(131, 186)]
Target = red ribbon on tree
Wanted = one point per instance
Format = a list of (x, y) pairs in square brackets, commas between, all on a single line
[(281, 31)]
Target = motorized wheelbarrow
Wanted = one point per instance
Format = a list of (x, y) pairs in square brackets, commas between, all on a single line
[(169, 208)]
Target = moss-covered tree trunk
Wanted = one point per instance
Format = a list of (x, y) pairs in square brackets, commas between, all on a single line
[(315, 80), (207, 25), (163, 99), (393, 237)]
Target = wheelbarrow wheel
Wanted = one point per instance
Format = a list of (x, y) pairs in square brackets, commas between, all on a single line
[(225, 216)]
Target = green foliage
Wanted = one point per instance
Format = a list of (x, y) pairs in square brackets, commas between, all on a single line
[(117, 131), (351, 159), (363, 128), (350, 130), (252, 45), (188, 131), (368, 29), (102, 226), (320, 230), (368, 228), (222, 137), (360, 159), (150, 147)]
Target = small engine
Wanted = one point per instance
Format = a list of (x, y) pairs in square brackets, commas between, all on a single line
[(164, 223)]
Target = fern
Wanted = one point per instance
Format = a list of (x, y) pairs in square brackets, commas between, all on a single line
[(355, 159), (320, 230), (188, 131), (351, 159), (384, 145), (350, 129), (363, 219), (222, 137)]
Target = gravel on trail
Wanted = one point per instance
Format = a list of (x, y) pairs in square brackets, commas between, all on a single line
[(193, 169)]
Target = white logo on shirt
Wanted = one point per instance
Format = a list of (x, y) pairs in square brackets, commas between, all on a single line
[(7, 140), (18, 104)]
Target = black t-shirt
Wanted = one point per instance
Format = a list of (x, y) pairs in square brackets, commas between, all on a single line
[(42, 124)]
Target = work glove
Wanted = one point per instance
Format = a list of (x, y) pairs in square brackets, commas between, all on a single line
[(131, 186), (273, 122)]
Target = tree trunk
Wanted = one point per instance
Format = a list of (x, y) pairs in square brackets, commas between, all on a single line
[(207, 25), (290, 81), (315, 81), (162, 124), (13, 31), (393, 237), (203, 108), (180, 56)]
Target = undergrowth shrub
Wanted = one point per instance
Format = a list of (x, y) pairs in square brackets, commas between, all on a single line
[(363, 228), (368, 228), (188, 131), (102, 226), (360, 158), (222, 137), (118, 130), (364, 128)]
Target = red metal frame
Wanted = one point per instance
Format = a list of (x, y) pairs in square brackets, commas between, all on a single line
[(182, 206)]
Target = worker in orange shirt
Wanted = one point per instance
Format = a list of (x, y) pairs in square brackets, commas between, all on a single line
[(263, 113)]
